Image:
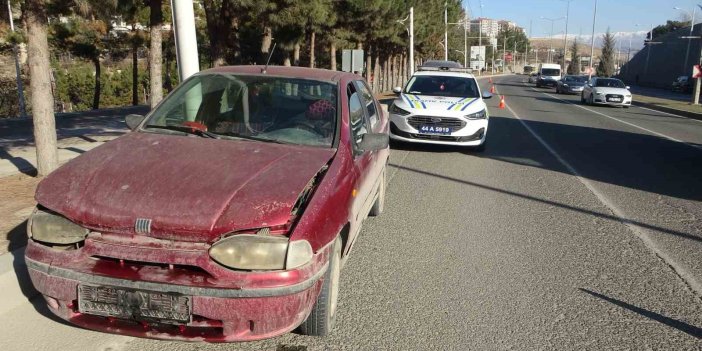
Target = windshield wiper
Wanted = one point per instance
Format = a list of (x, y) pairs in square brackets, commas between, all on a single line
[(185, 129), (254, 138)]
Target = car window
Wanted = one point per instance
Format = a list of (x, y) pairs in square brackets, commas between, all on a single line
[(609, 83), (448, 86), (368, 101), (357, 116), (290, 110)]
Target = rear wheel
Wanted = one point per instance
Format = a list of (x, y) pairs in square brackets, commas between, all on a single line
[(582, 98), (321, 320), (379, 204)]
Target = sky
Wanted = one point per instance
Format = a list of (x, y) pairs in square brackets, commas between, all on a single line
[(618, 15)]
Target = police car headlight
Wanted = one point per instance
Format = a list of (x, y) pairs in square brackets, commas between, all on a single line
[(478, 115), (397, 111)]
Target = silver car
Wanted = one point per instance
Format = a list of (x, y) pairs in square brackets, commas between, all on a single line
[(606, 91)]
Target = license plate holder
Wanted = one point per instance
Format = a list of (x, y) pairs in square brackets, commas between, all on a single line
[(134, 304), (432, 129), (614, 99)]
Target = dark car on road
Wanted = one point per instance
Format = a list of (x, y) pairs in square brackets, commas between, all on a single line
[(225, 215), (682, 84), (571, 84)]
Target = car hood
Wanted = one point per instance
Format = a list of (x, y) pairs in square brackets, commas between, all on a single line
[(439, 105), (191, 188), (606, 90)]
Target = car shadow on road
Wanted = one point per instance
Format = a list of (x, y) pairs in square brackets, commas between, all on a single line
[(673, 323)]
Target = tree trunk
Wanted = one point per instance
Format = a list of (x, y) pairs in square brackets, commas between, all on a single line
[(135, 73), (393, 68), (376, 74), (286, 61), (40, 86), (368, 74), (296, 54), (266, 43), (218, 32), (386, 74), (96, 91), (332, 54), (312, 38), (155, 54)]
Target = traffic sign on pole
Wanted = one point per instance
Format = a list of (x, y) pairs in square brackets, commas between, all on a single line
[(696, 71)]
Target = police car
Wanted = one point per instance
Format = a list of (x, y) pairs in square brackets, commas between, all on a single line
[(441, 104)]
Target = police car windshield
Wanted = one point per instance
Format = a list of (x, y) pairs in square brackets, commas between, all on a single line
[(442, 86)]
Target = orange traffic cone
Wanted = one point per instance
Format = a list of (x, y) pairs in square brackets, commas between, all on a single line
[(492, 89), (502, 102)]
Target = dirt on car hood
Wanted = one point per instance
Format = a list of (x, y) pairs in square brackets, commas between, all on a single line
[(191, 188)]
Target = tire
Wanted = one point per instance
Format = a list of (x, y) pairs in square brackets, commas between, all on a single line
[(379, 204), (557, 91), (582, 98), (321, 320), (591, 100)]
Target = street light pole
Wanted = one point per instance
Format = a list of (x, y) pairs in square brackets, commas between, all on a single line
[(18, 72), (445, 31), (553, 20), (185, 39), (465, 39), (592, 41), (565, 37), (696, 92), (411, 40)]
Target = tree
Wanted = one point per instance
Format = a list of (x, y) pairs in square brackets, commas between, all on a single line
[(42, 100), (155, 53), (606, 67), (574, 67), (669, 26)]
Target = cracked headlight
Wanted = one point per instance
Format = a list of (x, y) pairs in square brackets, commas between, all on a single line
[(48, 227), (397, 111), (261, 252), (478, 115)]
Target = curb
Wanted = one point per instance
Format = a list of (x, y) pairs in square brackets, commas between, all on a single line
[(692, 115)]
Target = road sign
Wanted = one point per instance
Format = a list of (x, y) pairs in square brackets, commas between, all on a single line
[(352, 61), (696, 71)]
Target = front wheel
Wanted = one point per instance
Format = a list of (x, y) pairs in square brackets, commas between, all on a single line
[(582, 98), (321, 320)]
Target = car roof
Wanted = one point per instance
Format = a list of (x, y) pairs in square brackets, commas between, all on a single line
[(286, 71), (443, 74)]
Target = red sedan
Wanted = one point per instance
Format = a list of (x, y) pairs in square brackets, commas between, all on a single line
[(225, 215)]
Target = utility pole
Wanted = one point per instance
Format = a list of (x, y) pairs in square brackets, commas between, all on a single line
[(696, 92), (648, 52), (480, 43), (18, 72), (565, 37), (445, 31), (465, 39), (185, 39), (692, 27), (504, 55), (592, 41), (411, 40)]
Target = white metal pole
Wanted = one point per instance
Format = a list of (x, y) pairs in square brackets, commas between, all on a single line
[(185, 39), (592, 40), (446, 31), (480, 45), (465, 39), (687, 52), (411, 40), (18, 72), (565, 37), (648, 51), (550, 50)]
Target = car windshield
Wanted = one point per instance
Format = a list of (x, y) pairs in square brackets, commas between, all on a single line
[(609, 83), (550, 72), (443, 86), (253, 107), (575, 79)]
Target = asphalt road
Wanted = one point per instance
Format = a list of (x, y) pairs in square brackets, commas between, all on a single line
[(577, 228)]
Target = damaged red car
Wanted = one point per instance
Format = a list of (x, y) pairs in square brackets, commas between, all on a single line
[(225, 215)]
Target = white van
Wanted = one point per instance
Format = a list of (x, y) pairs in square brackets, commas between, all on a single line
[(548, 75)]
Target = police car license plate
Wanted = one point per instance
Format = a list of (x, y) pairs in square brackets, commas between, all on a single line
[(430, 129)]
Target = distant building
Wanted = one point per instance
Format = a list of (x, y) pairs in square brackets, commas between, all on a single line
[(488, 27)]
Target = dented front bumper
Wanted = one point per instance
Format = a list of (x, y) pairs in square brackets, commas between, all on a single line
[(226, 305)]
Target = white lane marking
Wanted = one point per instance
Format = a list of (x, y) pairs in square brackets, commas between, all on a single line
[(644, 235), (698, 147), (669, 114)]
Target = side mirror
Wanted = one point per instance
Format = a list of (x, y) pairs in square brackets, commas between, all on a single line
[(374, 141), (487, 95), (628, 87), (397, 90), (133, 120)]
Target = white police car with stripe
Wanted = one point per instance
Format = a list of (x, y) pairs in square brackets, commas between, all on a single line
[(441, 104)]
